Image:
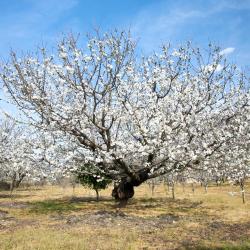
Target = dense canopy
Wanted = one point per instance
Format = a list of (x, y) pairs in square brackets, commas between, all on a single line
[(134, 117)]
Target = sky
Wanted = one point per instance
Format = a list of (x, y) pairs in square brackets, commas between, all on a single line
[(25, 24)]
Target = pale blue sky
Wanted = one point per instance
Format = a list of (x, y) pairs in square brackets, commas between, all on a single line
[(27, 23)]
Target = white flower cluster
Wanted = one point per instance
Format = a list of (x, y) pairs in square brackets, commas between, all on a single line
[(125, 115)]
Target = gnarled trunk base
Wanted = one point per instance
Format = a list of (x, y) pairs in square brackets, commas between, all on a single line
[(124, 190)]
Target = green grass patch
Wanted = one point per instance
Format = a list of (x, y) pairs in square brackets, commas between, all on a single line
[(50, 206)]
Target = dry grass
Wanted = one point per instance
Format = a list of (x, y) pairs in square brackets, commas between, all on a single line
[(53, 217)]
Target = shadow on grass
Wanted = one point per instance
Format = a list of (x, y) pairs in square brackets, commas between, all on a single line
[(89, 199), (13, 196), (183, 205), (21, 189), (89, 203), (69, 205), (48, 206)]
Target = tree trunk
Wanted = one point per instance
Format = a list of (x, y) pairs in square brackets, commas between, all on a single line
[(193, 188), (183, 187), (205, 185), (217, 182), (152, 189), (13, 183), (12, 186), (165, 186), (97, 194), (168, 186), (242, 192), (124, 190), (18, 182), (173, 191)]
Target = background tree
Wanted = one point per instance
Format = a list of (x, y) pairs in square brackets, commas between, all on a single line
[(19, 156)]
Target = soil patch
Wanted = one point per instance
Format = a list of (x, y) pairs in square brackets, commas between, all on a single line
[(105, 218), (14, 204)]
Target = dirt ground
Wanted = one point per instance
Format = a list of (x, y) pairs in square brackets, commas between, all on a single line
[(53, 217)]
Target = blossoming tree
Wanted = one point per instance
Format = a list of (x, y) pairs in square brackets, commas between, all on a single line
[(19, 156), (130, 116)]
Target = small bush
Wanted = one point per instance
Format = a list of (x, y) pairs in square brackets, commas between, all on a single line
[(92, 178)]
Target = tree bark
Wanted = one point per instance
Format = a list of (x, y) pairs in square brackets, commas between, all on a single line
[(242, 191), (173, 191), (13, 183), (152, 187), (18, 182), (183, 187), (124, 190), (97, 194), (205, 186), (193, 188)]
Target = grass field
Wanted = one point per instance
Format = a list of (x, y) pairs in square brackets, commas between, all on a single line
[(53, 217)]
